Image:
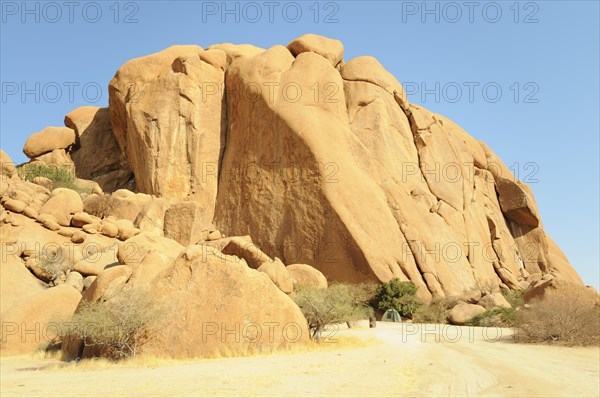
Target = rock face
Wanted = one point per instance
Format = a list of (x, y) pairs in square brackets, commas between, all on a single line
[(31, 323), (319, 161), (96, 153), (145, 94), (305, 275)]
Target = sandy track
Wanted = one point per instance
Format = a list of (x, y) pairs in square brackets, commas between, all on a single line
[(398, 360)]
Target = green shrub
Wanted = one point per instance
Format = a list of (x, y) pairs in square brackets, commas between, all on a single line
[(336, 304), (54, 173), (397, 295), (61, 177), (496, 317)]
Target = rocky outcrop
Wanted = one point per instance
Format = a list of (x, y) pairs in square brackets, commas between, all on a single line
[(43, 265), (321, 162), (224, 164)]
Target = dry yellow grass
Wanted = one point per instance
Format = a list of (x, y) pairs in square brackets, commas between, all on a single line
[(343, 342)]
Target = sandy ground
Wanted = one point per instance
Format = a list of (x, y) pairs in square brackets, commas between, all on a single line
[(391, 360)]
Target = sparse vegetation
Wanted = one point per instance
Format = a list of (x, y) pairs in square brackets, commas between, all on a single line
[(120, 326), (61, 177), (436, 312), (496, 317), (501, 317), (570, 316), (514, 297), (51, 266), (336, 304), (398, 295)]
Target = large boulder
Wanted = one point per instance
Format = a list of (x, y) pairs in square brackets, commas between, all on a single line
[(121, 204), (462, 312), (16, 282), (305, 275), (217, 306), (96, 154), (63, 203), (47, 140), (278, 274), (7, 167), (493, 300), (516, 201), (134, 250), (94, 263), (332, 50), (33, 322), (244, 248)]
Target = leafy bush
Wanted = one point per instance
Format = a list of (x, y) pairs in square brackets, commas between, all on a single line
[(120, 326), (336, 304), (570, 316), (397, 295), (496, 317)]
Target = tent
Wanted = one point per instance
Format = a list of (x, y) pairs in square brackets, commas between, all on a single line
[(391, 316)]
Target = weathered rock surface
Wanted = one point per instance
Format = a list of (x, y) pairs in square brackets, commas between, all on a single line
[(63, 203), (96, 153), (278, 274), (462, 312), (7, 167), (493, 300), (144, 95), (244, 248), (16, 282), (57, 157), (47, 140), (331, 49), (31, 323), (305, 275), (186, 222)]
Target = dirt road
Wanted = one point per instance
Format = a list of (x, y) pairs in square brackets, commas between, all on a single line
[(394, 360)]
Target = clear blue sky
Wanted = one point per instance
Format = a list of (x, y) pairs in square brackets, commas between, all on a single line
[(543, 56)]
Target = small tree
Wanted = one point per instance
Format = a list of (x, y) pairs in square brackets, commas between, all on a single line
[(399, 296), (120, 326), (336, 304)]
